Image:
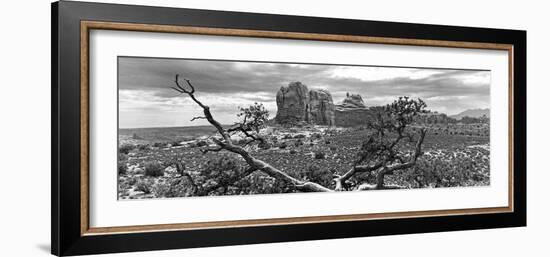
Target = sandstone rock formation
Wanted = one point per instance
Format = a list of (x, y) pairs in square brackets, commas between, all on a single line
[(352, 112), (296, 104), (353, 101), (321, 108), (292, 103)]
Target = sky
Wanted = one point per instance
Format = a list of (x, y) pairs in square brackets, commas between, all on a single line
[(146, 99)]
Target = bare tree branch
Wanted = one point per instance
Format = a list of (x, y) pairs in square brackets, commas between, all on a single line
[(253, 163), (231, 181), (379, 154), (198, 118), (211, 149), (388, 170)]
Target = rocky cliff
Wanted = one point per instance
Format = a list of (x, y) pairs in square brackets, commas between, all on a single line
[(297, 104), (352, 101), (292, 103), (321, 108), (352, 112)]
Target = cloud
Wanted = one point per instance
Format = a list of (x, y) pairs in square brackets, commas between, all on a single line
[(144, 87)]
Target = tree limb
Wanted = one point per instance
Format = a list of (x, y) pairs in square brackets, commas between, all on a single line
[(253, 163), (197, 118), (410, 163)]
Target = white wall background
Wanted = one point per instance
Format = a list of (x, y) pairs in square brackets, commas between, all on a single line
[(25, 127)]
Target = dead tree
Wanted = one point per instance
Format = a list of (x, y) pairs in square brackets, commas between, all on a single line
[(377, 155), (224, 142)]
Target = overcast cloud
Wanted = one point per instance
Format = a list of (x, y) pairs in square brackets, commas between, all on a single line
[(146, 100)]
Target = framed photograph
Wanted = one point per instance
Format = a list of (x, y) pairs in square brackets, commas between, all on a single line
[(178, 128)]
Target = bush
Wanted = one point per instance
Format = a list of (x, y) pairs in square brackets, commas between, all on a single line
[(175, 143), (298, 143), (158, 144), (299, 136), (125, 148), (154, 169), (202, 143), (283, 145), (179, 187), (287, 136), (317, 174), (264, 145), (143, 187), (143, 147), (122, 168), (319, 155), (327, 142), (292, 151)]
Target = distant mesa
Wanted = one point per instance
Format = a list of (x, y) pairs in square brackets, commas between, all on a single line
[(298, 105), (473, 113)]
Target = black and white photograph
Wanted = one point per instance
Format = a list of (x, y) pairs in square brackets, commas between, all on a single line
[(191, 127)]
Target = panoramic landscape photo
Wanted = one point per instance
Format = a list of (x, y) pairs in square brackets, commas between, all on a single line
[(191, 127)]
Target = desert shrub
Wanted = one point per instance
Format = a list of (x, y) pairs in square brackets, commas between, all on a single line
[(316, 136), (333, 148), (158, 144), (220, 171), (121, 163), (264, 145), (122, 168), (319, 155), (299, 136), (287, 136), (143, 147), (180, 187), (126, 148), (144, 187), (201, 143), (457, 167), (154, 169), (292, 151), (283, 145), (259, 183), (298, 143), (319, 175), (132, 181), (327, 142), (175, 143)]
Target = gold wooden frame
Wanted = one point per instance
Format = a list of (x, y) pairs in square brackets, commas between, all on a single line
[(86, 26)]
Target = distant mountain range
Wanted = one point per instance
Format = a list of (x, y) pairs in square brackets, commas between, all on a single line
[(474, 113)]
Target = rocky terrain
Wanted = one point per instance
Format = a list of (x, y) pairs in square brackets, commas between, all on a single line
[(311, 138), (454, 155)]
